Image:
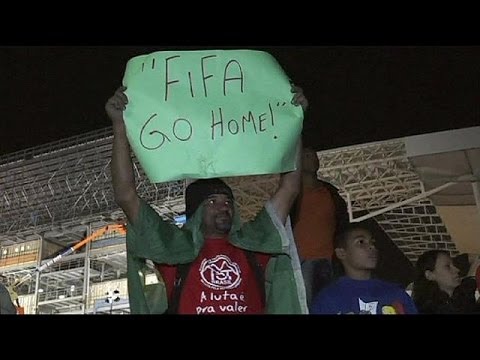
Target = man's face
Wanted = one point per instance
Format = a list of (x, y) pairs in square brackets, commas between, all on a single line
[(360, 251), (217, 215)]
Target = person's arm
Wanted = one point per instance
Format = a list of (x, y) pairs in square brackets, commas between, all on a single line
[(123, 178), (6, 304), (290, 182), (288, 188)]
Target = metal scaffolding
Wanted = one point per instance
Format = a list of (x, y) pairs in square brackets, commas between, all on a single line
[(56, 190), (378, 178)]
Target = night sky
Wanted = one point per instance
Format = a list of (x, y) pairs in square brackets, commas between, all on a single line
[(357, 94)]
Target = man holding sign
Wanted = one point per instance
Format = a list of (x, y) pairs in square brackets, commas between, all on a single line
[(213, 265)]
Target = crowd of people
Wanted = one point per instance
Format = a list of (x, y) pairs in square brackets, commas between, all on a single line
[(299, 255)]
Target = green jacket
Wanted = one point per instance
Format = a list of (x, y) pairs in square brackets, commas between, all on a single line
[(154, 239)]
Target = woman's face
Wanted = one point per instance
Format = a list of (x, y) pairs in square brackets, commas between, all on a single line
[(445, 274)]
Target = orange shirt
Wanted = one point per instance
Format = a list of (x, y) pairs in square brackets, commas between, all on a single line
[(315, 228)]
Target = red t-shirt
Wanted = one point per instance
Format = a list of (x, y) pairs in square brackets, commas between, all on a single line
[(220, 281)]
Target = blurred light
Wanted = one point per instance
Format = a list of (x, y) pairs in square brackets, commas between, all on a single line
[(61, 297), (40, 290), (180, 219), (16, 249), (22, 248)]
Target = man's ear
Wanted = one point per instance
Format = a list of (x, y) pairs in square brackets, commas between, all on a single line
[(429, 275), (340, 253)]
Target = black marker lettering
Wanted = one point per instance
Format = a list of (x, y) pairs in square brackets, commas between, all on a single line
[(203, 73), (233, 121), (250, 119), (220, 122), (191, 85), (225, 78), (190, 129), (271, 114), (260, 121), (167, 82), (151, 133)]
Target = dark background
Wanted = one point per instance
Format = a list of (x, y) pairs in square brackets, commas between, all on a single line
[(357, 94)]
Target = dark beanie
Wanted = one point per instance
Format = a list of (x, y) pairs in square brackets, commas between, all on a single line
[(200, 190)]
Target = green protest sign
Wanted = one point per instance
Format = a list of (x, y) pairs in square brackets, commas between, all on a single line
[(203, 114)]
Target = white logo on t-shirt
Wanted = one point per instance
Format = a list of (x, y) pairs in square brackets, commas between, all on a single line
[(367, 308), (220, 273)]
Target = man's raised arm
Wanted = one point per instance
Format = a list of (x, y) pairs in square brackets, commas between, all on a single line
[(123, 178), (290, 182), (288, 188)]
